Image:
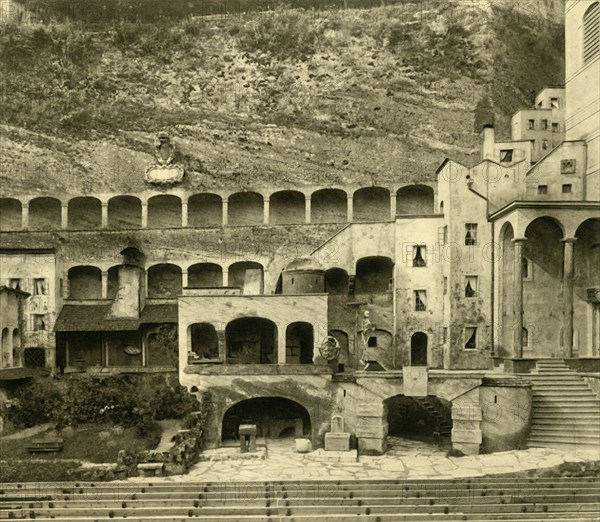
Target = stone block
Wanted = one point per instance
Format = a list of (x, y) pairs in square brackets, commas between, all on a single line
[(466, 436), (151, 469), (466, 448), (371, 427), (337, 442), (372, 446)]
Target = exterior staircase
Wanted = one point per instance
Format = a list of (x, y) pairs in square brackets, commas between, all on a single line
[(442, 423), (566, 412)]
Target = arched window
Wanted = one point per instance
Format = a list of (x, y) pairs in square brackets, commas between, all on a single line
[(85, 282), (10, 214), (591, 33), (164, 281)]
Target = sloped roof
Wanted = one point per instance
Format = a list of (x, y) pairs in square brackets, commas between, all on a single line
[(95, 318)]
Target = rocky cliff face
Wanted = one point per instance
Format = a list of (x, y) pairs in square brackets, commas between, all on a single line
[(288, 97)]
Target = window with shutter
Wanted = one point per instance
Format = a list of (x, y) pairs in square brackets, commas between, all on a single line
[(471, 286), (420, 300), (591, 33), (470, 338)]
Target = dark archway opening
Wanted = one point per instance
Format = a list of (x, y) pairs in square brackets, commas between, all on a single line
[(85, 213), (124, 212), (205, 275), (287, 207), (372, 204), (251, 340), (164, 281), (427, 419), (329, 206), (336, 281), (45, 214), (248, 276), (85, 282), (205, 210), (416, 199), (299, 343), (275, 418), (246, 208), (164, 212), (418, 349), (373, 275), (204, 341), (11, 214)]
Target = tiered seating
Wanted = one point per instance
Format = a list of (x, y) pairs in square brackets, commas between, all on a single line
[(476, 500)]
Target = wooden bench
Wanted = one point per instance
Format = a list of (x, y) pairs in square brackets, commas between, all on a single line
[(45, 445)]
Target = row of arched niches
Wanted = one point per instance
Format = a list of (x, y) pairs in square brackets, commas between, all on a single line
[(328, 205)]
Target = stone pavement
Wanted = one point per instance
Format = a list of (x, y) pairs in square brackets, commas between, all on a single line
[(406, 459)]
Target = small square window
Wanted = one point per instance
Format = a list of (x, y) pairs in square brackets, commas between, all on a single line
[(445, 335), (420, 300), (545, 145), (471, 286), (470, 234), (15, 284), (526, 269), (555, 127), (554, 103), (506, 156), (39, 322), (542, 190), (544, 124), (566, 189), (530, 124), (418, 259), (372, 342), (40, 287), (470, 338)]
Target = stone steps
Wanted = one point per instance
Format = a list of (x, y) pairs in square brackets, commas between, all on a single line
[(495, 498), (565, 411)]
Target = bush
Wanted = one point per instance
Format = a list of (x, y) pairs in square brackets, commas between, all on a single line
[(124, 400)]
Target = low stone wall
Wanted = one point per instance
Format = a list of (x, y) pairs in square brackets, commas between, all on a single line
[(176, 461)]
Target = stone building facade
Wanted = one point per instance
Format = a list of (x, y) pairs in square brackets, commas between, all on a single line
[(291, 304)]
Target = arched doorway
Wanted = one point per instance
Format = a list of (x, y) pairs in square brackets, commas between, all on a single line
[(274, 417), (418, 349), (425, 419), (251, 340), (299, 343), (373, 275)]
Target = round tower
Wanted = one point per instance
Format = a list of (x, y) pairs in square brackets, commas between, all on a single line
[(304, 275)]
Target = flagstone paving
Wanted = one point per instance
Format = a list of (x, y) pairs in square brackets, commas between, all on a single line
[(406, 459)]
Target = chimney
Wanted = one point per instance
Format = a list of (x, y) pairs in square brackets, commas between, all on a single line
[(130, 298), (488, 142)]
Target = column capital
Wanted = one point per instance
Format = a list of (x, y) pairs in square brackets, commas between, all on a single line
[(104, 203), (568, 240), (519, 240)]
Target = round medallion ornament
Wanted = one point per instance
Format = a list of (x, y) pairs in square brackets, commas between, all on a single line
[(330, 348)]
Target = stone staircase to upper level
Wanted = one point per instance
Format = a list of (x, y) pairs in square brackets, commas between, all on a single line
[(442, 422), (566, 412)]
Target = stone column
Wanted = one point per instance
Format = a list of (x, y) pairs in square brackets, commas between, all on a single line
[(144, 214), (568, 295), (266, 211), (226, 277), (104, 214), (393, 206), (225, 216), (518, 297), (104, 284), (350, 209), (307, 209), (281, 355), (222, 345), (64, 216), (25, 216), (65, 285), (184, 278), (184, 214)]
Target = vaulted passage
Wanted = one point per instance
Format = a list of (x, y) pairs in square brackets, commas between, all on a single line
[(274, 417), (427, 419), (246, 208), (124, 212), (417, 199), (287, 207), (205, 210), (205, 275), (251, 340), (248, 276), (44, 214), (85, 213), (336, 281), (85, 282), (299, 343), (164, 281), (329, 206), (164, 212), (372, 204), (10, 214), (373, 275)]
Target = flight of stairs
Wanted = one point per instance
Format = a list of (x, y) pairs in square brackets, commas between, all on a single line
[(566, 412), (476, 499), (442, 422)]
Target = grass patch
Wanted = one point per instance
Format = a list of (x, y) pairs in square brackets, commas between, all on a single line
[(98, 443)]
